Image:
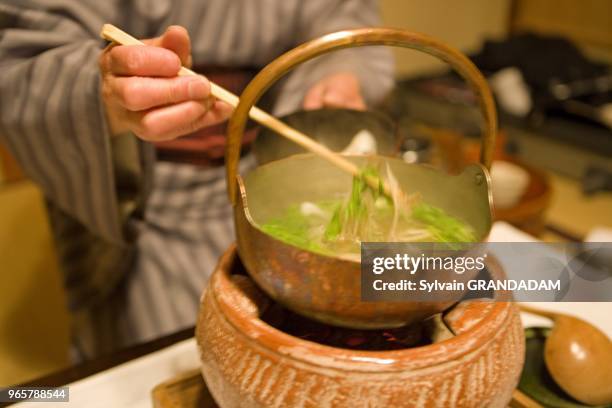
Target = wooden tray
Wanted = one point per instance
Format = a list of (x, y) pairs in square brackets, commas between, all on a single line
[(187, 390)]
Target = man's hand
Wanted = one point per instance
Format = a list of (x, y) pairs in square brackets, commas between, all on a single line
[(340, 90), (143, 94)]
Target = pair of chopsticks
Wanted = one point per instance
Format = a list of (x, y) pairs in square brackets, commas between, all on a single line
[(114, 34)]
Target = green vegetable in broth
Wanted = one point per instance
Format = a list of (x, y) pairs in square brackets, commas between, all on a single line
[(300, 227), (442, 226), (337, 227)]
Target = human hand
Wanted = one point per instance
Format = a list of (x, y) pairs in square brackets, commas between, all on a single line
[(341, 90), (143, 94)]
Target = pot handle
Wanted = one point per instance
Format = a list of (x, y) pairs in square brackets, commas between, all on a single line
[(347, 39)]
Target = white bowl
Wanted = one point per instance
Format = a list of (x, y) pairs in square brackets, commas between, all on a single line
[(509, 183)]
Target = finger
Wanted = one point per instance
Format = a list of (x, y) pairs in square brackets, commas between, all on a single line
[(140, 93), (219, 112), (142, 60), (177, 120), (167, 122)]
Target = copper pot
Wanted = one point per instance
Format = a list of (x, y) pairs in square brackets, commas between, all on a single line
[(247, 363), (326, 288)]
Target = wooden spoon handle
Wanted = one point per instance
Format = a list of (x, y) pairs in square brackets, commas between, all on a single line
[(111, 33)]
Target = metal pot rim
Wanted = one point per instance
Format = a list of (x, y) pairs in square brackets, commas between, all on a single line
[(242, 191)]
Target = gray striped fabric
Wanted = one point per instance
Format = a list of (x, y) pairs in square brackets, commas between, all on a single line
[(188, 224), (53, 121)]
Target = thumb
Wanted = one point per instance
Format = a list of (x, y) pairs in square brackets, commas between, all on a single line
[(175, 39)]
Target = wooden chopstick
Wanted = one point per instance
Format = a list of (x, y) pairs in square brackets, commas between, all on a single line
[(114, 34), (522, 400)]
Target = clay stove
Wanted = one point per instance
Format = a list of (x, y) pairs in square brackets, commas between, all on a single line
[(247, 362)]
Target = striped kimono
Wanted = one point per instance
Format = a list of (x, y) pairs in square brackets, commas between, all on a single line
[(138, 238)]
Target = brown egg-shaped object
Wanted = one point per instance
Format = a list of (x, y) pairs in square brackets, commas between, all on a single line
[(579, 358)]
